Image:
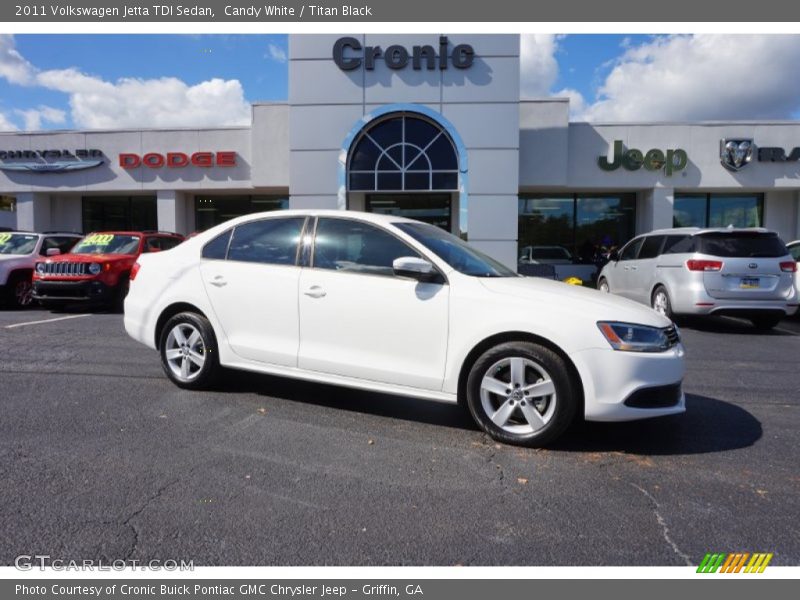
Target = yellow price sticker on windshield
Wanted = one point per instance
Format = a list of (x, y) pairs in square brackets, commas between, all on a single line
[(99, 239), (4, 237)]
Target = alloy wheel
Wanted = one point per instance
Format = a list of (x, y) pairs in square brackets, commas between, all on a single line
[(660, 302), (518, 395), (23, 293), (185, 351)]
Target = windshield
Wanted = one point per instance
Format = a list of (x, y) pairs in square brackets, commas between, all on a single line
[(455, 252), (107, 243), (742, 245), (17, 243)]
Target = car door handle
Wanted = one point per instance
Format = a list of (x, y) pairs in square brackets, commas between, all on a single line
[(218, 281), (634, 268), (315, 292)]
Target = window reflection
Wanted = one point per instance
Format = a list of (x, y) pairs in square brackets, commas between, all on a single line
[(718, 210)]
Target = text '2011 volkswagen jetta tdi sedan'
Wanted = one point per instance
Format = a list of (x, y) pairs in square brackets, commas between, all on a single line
[(388, 304)]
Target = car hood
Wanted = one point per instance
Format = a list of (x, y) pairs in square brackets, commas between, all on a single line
[(90, 258), (583, 301)]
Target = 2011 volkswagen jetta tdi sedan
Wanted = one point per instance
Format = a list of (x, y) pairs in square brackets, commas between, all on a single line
[(388, 304)]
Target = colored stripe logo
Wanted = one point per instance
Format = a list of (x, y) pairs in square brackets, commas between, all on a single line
[(736, 562)]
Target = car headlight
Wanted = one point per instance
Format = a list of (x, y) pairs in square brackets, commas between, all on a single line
[(95, 268), (630, 337), (40, 268)]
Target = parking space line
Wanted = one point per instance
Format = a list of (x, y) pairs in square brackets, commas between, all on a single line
[(46, 321)]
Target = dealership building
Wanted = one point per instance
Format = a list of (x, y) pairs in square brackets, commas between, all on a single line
[(427, 126)]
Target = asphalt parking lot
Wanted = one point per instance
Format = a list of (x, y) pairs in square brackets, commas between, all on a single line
[(101, 457)]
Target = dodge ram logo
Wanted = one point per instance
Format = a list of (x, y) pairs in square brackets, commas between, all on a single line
[(735, 154)]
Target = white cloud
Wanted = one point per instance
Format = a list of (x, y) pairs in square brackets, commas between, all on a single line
[(538, 64), (165, 102), (6, 125), (276, 53), (13, 66), (702, 77), (127, 102), (33, 117)]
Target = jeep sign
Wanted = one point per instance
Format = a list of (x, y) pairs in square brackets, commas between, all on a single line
[(653, 160)]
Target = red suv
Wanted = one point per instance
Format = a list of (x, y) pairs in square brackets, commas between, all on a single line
[(98, 268)]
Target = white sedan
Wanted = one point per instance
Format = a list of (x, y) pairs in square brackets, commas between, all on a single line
[(388, 304)]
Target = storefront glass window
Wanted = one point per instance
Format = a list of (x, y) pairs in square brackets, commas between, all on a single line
[(119, 213), (429, 208), (8, 203), (574, 229), (403, 152), (213, 210), (718, 210), (689, 211)]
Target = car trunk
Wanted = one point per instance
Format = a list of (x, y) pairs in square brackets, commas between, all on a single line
[(751, 267)]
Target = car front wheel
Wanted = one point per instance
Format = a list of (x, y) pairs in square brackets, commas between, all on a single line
[(603, 286), (188, 349), (521, 393), (21, 292)]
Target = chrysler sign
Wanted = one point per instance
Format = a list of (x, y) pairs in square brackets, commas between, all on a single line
[(349, 55), (50, 160)]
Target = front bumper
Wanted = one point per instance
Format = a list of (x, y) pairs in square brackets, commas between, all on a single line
[(627, 386), (73, 291)]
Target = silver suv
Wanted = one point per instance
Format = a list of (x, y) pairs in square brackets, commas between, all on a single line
[(690, 271)]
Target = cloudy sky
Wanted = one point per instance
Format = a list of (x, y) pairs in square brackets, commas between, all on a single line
[(94, 81)]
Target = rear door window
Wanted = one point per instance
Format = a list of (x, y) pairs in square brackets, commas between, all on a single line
[(630, 251), (269, 241), (651, 247), (742, 245)]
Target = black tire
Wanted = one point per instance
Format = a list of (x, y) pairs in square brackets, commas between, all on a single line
[(660, 289), (202, 377), (557, 410), (123, 287), (603, 282), (18, 293), (765, 322)]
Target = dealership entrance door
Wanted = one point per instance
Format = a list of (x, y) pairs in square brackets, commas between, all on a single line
[(435, 209)]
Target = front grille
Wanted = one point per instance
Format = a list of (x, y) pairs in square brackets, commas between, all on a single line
[(66, 269), (673, 337)]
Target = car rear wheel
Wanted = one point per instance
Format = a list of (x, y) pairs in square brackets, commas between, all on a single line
[(661, 302), (521, 393), (20, 292), (602, 285), (766, 322), (188, 349)]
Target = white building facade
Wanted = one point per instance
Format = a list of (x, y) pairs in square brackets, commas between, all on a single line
[(426, 126)]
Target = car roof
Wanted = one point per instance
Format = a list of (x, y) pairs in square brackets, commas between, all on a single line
[(139, 233), (702, 230), (350, 214)]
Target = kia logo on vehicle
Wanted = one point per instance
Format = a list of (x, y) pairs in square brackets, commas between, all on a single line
[(753, 265)]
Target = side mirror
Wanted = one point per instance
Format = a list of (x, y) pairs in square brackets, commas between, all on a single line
[(53, 252), (415, 268), (613, 256)]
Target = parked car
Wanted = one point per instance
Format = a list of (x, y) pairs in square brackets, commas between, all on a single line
[(98, 268), (691, 271), (794, 250), (382, 303), (19, 251), (544, 255)]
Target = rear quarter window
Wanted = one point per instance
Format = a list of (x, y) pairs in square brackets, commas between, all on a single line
[(742, 245), (679, 244), (217, 249)]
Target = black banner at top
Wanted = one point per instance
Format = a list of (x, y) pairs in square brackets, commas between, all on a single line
[(359, 11)]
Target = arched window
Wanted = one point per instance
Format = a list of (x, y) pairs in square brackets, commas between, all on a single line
[(403, 152)]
